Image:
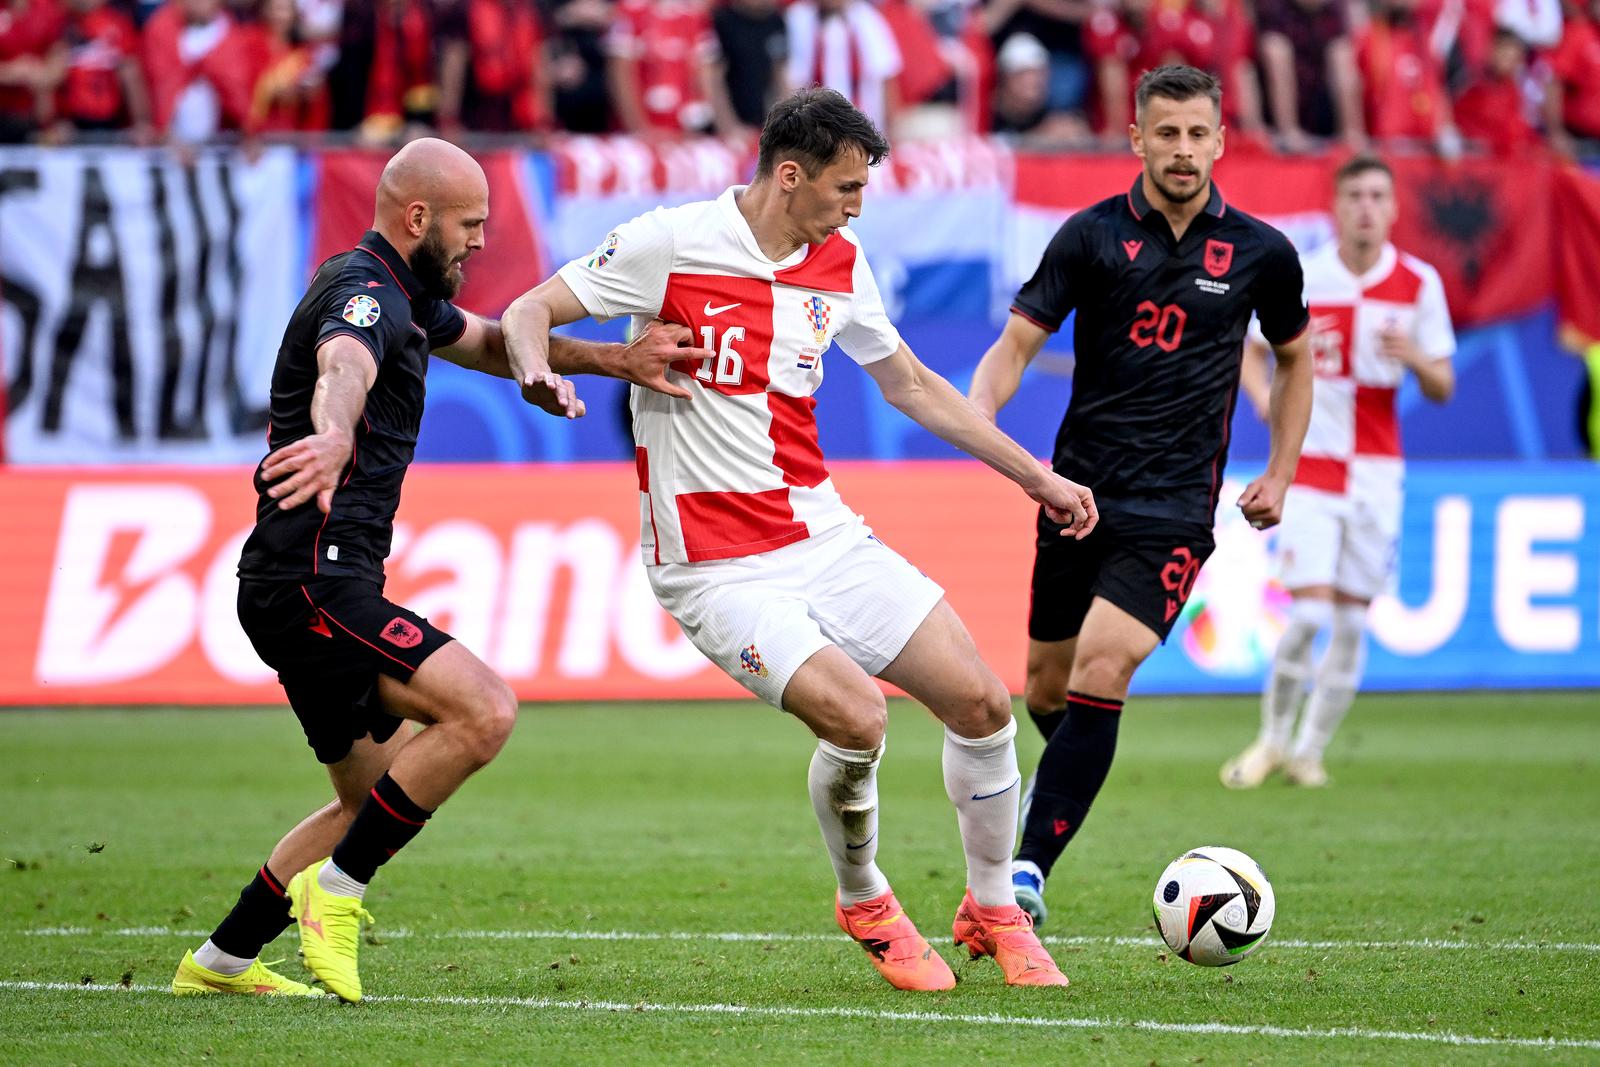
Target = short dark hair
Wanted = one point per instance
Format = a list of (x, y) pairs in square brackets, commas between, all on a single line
[(814, 127), (1175, 81), (1358, 165)]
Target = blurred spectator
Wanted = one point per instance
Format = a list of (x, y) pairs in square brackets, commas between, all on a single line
[(755, 49), (1537, 23), (289, 90), (1123, 44), (662, 66), (1220, 38), (95, 70), (1309, 68), (28, 29), (1058, 25), (1496, 107), (491, 67), (385, 75), (197, 65), (1572, 104), (846, 45), (577, 62), (1022, 94), (1402, 80), (947, 63)]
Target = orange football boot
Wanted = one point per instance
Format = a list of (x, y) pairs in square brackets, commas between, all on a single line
[(1006, 933), (901, 955)]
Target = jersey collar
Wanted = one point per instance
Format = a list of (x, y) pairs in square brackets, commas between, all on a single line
[(377, 245), (1140, 205)]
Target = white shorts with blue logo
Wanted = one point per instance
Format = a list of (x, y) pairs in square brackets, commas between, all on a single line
[(760, 617)]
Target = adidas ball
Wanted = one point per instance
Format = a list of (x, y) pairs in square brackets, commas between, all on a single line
[(1214, 906)]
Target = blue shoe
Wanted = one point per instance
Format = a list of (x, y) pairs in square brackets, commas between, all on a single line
[(1027, 882)]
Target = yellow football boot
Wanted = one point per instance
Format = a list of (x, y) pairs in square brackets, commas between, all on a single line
[(330, 932), (257, 980)]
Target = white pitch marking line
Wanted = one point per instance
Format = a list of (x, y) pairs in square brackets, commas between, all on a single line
[(1442, 944), (973, 1019)]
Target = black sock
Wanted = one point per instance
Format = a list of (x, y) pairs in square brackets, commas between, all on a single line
[(387, 821), (261, 915), (1071, 772), (1047, 721)]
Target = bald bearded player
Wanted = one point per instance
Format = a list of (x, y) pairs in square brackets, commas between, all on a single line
[(347, 399)]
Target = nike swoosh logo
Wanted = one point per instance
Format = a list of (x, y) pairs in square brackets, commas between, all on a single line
[(997, 792), (863, 844), (711, 311)]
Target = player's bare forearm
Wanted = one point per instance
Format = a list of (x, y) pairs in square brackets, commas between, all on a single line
[(999, 372), (525, 330), (1437, 379), (1255, 379), (345, 372), (311, 467), (1289, 406)]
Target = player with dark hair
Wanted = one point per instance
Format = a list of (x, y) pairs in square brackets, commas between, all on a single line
[(747, 543), (347, 397), (1164, 280)]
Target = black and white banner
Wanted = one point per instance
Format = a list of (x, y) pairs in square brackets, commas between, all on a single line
[(142, 299)]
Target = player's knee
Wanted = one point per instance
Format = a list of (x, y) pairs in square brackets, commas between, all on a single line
[(491, 723), (984, 709), (1104, 672), (862, 723), (1046, 689)]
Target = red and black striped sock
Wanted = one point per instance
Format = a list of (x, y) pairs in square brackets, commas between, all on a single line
[(1072, 769), (261, 914), (386, 823)]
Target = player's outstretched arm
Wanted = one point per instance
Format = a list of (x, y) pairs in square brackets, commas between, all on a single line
[(1288, 415), (935, 404), (312, 466), (999, 372), (525, 336)]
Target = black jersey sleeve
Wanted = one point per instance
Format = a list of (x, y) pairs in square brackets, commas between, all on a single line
[(1057, 284), (1279, 297), (377, 316), (445, 324)]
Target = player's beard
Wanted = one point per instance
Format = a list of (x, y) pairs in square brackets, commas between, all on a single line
[(440, 275), (1183, 196)]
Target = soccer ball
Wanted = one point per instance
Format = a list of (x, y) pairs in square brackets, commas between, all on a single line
[(1214, 906)]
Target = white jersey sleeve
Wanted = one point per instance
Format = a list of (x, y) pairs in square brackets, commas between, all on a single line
[(869, 335), (1435, 334), (627, 273)]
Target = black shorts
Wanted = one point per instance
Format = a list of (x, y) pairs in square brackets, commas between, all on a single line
[(329, 639), (1146, 567)]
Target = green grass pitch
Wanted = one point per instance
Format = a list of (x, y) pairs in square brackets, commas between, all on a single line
[(1436, 904)]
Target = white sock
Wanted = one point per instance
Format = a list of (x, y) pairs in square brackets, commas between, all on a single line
[(1338, 678), (335, 881), (982, 781), (213, 958), (1291, 670), (844, 794)]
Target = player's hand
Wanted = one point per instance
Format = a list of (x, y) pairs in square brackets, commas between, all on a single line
[(1068, 504), (1262, 501), (309, 467), (1398, 345), (645, 359), (551, 393)]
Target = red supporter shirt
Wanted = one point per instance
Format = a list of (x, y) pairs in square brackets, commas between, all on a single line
[(98, 43), (27, 28), (1576, 64), (669, 40), (1494, 111), (1403, 83), (1165, 37)]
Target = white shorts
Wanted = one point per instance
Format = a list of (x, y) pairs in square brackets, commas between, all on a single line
[(1328, 539), (760, 617)]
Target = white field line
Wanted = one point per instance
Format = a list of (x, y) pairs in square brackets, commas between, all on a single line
[(967, 1019), (1428, 943)]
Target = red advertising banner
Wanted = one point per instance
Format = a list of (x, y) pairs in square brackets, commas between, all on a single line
[(119, 585)]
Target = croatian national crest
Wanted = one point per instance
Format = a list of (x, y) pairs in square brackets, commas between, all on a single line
[(817, 312), (1219, 257), (603, 254), (750, 660)]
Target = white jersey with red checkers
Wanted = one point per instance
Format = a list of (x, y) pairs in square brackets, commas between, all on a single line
[(737, 470), (1352, 447)]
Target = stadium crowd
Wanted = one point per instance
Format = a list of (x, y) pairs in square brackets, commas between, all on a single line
[(1515, 75)]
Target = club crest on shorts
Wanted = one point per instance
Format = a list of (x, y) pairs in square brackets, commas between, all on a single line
[(362, 311), (1219, 257), (817, 311), (607, 249), (750, 660), (401, 633)]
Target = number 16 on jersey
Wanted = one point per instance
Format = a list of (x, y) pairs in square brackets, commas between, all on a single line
[(727, 367)]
